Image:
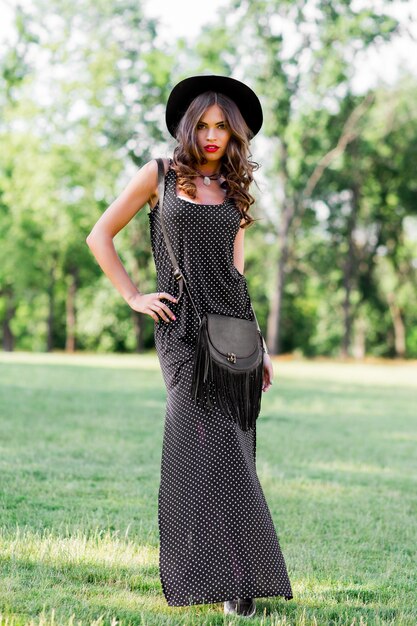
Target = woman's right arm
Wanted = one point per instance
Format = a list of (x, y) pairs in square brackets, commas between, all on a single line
[(142, 189)]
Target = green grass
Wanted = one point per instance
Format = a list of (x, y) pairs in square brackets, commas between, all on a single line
[(80, 451)]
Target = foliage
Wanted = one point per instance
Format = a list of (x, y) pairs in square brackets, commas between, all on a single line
[(82, 107)]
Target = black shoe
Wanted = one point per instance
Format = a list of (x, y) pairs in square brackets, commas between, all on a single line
[(245, 607)]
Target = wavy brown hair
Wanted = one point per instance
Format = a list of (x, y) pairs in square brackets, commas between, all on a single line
[(236, 164)]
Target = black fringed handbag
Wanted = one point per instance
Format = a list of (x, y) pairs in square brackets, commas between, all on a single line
[(228, 360)]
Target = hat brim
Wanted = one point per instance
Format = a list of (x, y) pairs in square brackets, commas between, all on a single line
[(185, 91)]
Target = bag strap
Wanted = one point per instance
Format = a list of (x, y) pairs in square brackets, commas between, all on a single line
[(177, 272)]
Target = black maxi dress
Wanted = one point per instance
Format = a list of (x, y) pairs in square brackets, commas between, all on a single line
[(217, 537)]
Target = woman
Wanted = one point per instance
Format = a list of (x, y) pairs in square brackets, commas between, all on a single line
[(217, 538)]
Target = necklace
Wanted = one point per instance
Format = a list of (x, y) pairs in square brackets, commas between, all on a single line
[(207, 179)]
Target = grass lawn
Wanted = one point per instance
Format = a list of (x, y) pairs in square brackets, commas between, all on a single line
[(80, 451)]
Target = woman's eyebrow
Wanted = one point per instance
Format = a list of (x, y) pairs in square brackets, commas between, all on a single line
[(221, 122)]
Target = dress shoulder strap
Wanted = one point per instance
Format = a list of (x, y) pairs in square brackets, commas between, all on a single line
[(170, 162), (170, 174)]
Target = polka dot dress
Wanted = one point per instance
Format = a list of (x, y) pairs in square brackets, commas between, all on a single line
[(217, 537)]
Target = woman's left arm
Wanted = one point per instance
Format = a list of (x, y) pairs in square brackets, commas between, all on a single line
[(239, 262), (239, 253)]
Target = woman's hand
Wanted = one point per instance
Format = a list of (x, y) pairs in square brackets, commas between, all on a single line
[(151, 304), (268, 374)]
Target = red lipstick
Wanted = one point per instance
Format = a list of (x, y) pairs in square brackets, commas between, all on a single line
[(211, 148)]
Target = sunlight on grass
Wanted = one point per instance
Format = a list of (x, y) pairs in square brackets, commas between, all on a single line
[(122, 361), (388, 372), (357, 468), (109, 571), (382, 371), (401, 436), (101, 547)]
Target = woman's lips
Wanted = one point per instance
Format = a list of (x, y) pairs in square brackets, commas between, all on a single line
[(210, 148)]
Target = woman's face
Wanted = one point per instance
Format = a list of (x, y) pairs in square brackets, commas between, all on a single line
[(213, 133)]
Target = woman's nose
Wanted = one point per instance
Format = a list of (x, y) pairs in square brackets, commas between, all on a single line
[(211, 134)]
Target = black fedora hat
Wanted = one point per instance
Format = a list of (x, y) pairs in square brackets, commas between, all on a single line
[(185, 91)]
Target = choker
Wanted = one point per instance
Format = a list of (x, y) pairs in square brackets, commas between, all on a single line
[(207, 179)]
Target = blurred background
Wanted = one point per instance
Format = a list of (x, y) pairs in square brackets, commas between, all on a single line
[(331, 261)]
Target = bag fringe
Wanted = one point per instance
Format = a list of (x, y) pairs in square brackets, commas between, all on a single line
[(238, 394)]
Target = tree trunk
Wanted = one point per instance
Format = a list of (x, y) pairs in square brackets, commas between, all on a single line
[(70, 311), (349, 268), (137, 318), (274, 319), (347, 318), (51, 310), (398, 325), (287, 215), (359, 343), (138, 325), (10, 310)]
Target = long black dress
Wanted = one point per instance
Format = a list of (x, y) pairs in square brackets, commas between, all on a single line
[(217, 537)]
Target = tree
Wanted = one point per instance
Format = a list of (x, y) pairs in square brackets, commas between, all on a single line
[(301, 58)]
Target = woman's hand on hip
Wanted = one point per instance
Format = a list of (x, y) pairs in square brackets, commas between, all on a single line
[(150, 304), (268, 373)]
